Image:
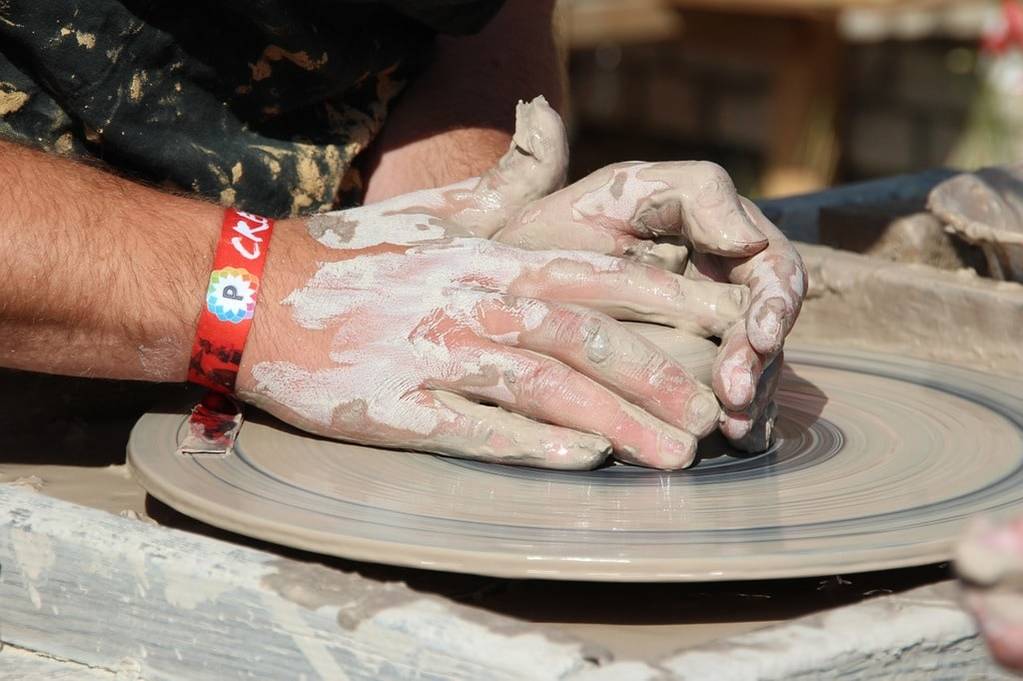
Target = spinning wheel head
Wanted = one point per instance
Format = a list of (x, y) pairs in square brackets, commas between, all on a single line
[(879, 462)]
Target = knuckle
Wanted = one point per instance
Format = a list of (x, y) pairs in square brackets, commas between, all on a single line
[(504, 301), (596, 338), (623, 165), (483, 248), (485, 251), (656, 368), (714, 187), (717, 177), (712, 171), (564, 324), (545, 379)]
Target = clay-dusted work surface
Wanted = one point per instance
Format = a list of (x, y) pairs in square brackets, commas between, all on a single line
[(879, 460), (109, 488), (65, 437)]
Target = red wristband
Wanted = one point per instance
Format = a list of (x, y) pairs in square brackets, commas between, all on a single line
[(230, 303)]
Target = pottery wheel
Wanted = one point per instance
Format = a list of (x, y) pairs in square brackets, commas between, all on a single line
[(878, 463)]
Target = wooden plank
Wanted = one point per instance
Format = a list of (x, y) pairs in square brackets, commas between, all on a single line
[(104, 591), (17, 664), (103, 598), (921, 635)]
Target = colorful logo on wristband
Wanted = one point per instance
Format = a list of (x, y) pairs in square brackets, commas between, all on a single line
[(231, 296)]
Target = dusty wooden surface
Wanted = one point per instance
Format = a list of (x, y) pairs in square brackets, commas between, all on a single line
[(89, 595), (17, 664), (114, 594), (921, 635)]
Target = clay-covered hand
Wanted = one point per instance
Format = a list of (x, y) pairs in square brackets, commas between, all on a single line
[(534, 166), (385, 328), (748, 366), (687, 216), (989, 561), (407, 345)]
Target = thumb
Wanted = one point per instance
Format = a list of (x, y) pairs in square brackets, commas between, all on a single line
[(706, 208)]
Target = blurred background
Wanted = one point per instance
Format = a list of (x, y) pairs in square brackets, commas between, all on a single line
[(795, 95)]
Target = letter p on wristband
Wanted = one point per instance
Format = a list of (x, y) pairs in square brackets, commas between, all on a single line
[(230, 300)]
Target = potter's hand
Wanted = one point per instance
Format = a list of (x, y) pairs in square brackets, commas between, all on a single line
[(533, 166), (404, 345), (989, 561), (748, 366), (408, 241), (687, 215)]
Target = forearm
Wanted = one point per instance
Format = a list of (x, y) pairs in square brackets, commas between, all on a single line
[(456, 120), (101, 276)]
